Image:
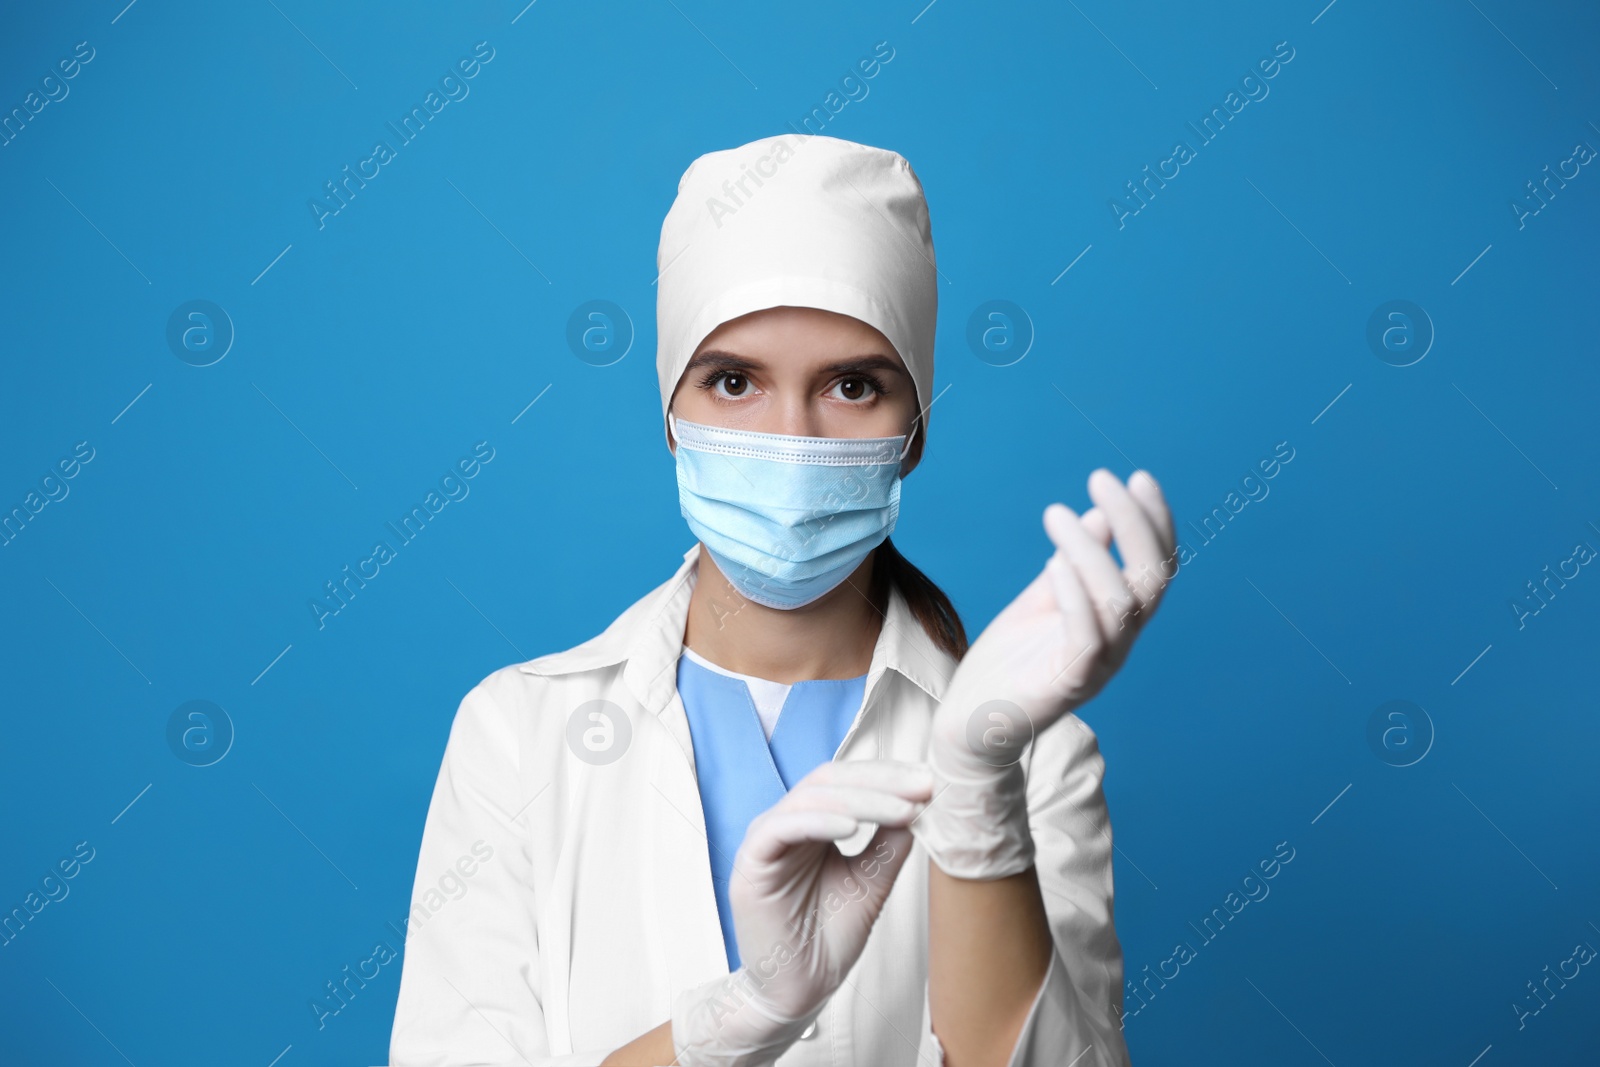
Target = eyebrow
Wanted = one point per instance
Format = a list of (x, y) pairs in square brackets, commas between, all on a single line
[(729, 361)]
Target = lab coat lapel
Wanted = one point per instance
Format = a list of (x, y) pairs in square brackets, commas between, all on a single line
[(690, 946), (679, 872), (660, 821)]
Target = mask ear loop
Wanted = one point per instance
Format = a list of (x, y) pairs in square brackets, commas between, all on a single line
[(904, 452)]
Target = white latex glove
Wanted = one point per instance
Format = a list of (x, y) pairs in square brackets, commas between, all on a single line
[(802, 910), (1052, 649)]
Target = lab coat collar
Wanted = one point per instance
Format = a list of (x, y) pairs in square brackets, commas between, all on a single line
[(648, 639)]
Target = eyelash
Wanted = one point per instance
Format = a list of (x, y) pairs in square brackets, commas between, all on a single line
[(712, 377)]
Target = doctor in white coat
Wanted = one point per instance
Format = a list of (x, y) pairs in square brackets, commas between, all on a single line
[(939, 892)]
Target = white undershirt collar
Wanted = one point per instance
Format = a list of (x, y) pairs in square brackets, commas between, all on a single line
[(767, 696)]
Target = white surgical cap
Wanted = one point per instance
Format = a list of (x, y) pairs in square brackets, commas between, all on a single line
[(802, 220)]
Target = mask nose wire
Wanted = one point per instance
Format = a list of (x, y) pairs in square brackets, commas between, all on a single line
[(672, 424)]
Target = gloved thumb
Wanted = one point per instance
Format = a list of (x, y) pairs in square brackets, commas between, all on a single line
[(879, 864)]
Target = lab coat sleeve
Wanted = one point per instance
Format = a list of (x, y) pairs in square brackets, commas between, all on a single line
[(469, 983), (1079, 1006)]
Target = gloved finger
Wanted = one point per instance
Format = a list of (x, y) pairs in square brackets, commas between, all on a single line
[(1099, 573), (1094, 520), (879, 864), (1143, 488), (913, 781), (774, 833), (1136, 536), (859, 802), (1081, 638), (1147, 491)]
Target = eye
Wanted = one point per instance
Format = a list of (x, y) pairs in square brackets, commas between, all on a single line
[(857, 388), (730, 384)]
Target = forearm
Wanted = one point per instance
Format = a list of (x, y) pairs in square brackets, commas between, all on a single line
[(989, 948), (650, 1049)]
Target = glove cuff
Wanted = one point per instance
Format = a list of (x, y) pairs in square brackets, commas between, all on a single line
[(723, 1024), (976, 827)]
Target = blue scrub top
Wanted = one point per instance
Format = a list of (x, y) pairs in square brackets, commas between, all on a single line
[(741, 772)]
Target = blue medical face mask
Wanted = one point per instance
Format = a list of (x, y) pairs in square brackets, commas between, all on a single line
[(787, 518)]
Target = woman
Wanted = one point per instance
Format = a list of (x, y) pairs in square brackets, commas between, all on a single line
[(778, 808)]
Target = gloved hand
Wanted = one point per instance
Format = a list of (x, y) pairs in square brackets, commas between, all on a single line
[(801, 909), (1048, 652)]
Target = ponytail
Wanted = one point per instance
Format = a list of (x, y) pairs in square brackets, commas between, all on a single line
[(926, 600)]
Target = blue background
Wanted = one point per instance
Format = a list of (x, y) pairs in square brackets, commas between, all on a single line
[(373, 352)]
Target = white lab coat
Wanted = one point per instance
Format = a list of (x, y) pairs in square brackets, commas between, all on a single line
[(595, 906)]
